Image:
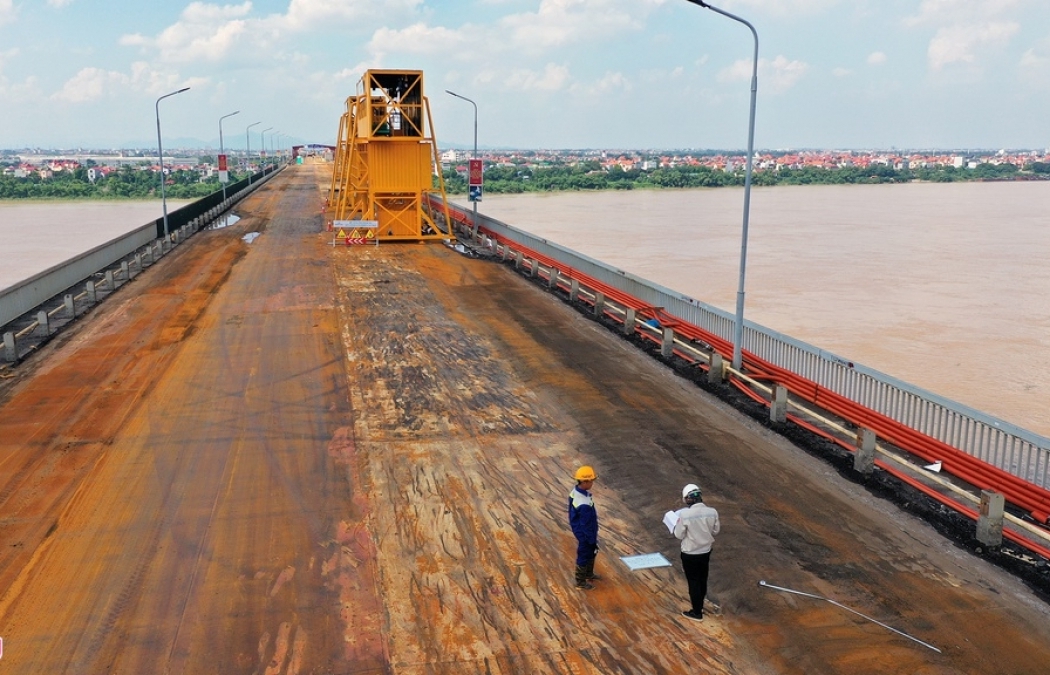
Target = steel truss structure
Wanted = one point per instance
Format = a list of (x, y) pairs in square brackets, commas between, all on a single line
[(387, 164)]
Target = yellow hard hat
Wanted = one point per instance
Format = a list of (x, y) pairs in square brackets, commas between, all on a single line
[(585, 473)]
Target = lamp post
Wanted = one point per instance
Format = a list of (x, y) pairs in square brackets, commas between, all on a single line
[(222, 151), (160, 153), (474, 233), (262, 145), (738, 327), (248, 150), (279, 134)]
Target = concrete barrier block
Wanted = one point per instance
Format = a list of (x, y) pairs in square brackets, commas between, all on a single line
[(864, 458), (92, 294), (990, 518), (574, 291), (599, 305), (70, 305), (667, 346), (43, 323), (716, 372), (778, 404), (10, 347), (630, 318), (552, 281)]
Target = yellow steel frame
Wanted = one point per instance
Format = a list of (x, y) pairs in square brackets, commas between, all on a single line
[(386, 159)]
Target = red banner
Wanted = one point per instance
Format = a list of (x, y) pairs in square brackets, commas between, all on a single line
[(222, 162), (475, 173)]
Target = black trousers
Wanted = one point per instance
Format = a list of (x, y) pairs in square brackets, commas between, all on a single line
[(696, 568)]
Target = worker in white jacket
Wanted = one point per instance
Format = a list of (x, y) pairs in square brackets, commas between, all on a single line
[(697, 526)]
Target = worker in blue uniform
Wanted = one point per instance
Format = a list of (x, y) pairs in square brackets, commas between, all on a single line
[(583, 519)]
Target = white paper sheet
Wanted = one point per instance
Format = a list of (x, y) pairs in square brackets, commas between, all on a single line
[(645, 561)]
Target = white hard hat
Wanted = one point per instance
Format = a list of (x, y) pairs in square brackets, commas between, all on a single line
[(689, 489)]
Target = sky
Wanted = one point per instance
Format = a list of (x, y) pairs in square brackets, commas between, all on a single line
[(545, 74)]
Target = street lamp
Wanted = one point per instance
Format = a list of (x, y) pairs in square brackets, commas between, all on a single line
[(474, 233), (248, 150), (160, 152), (222, 152), (738, 328), (262, 146)]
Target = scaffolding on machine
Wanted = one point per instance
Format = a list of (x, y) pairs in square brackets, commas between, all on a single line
[(386, 164)]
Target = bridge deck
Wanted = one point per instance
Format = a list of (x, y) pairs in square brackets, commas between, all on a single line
[(285, 457)]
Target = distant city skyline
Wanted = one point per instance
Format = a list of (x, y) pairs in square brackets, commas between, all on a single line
[(642, 74)]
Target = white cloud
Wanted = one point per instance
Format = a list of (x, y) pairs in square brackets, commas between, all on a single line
[(305, 15), (1030, 59), (59, 3), (610, 81), (17, 92), (568, 22), (779, 7), (965, 30), (552, 78), (90, 84), (1035, 69), (876, 58), (420, 38), (941, 12), (780, 73), (7, 11), (203, 33), (841, 72), (960, 44)]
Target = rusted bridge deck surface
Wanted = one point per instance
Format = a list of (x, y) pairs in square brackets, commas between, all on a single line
[(285, 457)]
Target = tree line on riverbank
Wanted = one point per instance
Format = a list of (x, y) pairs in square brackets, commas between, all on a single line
[(591, 176), (130, 182), (127, 182)]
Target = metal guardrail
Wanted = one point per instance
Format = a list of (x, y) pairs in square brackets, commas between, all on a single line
[(1006, 446), (145, 244)]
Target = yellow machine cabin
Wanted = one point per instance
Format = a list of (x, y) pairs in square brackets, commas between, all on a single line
[(386, 160)]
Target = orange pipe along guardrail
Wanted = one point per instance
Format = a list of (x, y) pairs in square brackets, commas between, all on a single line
[(982, 475)]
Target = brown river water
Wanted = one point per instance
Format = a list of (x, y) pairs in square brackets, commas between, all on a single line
[(35, 236), (945, 286)]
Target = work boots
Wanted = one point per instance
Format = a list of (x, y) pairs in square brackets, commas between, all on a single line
[(582, 580)]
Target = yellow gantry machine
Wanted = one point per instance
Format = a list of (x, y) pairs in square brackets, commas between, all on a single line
[(386, 164)]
